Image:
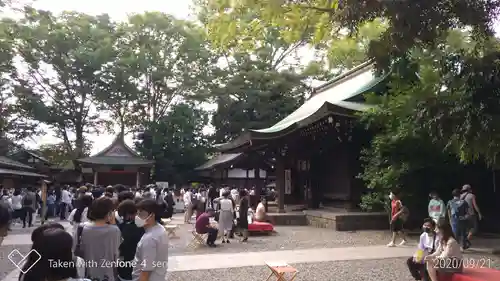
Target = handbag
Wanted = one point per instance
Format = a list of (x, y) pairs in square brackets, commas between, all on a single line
[(78, 247)]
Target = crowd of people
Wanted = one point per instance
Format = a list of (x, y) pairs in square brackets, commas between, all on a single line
[(117, 235), (229, 207), (446, 233), (117, 231)]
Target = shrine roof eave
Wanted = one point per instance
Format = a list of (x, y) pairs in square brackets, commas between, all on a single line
[(115, 161), (13, 164), (331, 98), (9, 172), (219, 160), (255, 140)]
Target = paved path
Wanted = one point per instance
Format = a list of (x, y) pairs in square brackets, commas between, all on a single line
[(216, 261)]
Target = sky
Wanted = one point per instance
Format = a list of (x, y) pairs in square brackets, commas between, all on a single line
[(118, 10)]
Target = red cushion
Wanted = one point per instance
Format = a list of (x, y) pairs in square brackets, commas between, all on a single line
[(472, 274), (260, 226)]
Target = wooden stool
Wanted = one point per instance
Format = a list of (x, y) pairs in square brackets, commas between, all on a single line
[(198, 239), (280, 269), (171, 229)]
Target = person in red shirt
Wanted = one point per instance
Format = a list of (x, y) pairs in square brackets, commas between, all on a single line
[(396, 219), (203, 226)]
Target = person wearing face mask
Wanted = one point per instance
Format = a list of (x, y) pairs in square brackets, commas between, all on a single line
[(131, 235), (151, 256), (448, 257), (397, 219), (99, 240), (427, 245)]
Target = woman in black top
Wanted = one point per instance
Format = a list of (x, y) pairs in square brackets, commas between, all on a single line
[(131, 235), (243, 215)]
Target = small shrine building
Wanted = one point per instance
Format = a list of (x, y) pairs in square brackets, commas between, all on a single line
[(116, 164)]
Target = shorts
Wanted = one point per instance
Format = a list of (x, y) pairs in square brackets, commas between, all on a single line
[(472, 224), (397, 225)]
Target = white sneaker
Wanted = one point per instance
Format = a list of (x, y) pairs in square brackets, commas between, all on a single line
[(391, 244), (402, 243)]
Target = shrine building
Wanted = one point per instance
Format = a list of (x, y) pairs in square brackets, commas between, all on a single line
[(116, 164), (317, 147)]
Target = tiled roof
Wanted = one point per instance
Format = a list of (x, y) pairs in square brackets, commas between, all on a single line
[(7, 162)]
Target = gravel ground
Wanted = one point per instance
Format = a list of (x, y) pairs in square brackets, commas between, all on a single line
[(365, 270), (286, 238)]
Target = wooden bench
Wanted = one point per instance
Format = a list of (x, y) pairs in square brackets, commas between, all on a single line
[(472, 274)]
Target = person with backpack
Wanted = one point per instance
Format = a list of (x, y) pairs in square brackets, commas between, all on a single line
[(399, 215), (474, 214), (29, 206), (458, 210)]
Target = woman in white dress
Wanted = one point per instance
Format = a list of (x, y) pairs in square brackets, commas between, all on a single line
[(226, 215)]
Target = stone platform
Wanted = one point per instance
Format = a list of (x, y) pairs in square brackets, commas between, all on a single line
[(336, 219), (288, 218), (342, 220)]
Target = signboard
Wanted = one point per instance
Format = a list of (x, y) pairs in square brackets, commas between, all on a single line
[(162, 184), (288, 181)]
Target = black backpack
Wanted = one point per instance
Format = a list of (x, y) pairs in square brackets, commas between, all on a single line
[(194, 200), (27, 200), (459, 209)]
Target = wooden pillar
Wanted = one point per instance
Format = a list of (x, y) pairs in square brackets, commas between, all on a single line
[(280, 183), (258, 185), (246, 180), (96, 176), (138, 179)]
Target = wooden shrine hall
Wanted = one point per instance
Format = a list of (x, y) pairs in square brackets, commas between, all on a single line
[(236, 169), (316, 148), (116, 164)]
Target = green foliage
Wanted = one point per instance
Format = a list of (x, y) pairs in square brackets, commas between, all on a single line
[(159, 60), (415, 136), (254, 97), (410, 23), (176, 142), (57, 153), (62, 56)]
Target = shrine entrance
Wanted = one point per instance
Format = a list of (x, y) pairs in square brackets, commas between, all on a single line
[(116, 164)]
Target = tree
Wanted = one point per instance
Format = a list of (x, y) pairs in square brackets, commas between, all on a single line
[(14, 126), (410, 23), (63, 57), (255, 96), (259, 87), (419, 134), (165, 60), (57, 154), (176, 143)]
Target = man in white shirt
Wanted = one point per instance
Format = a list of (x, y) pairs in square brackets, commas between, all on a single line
[(235, 195), (188, 206), (222, 190), (429, 242), (65, 202)]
